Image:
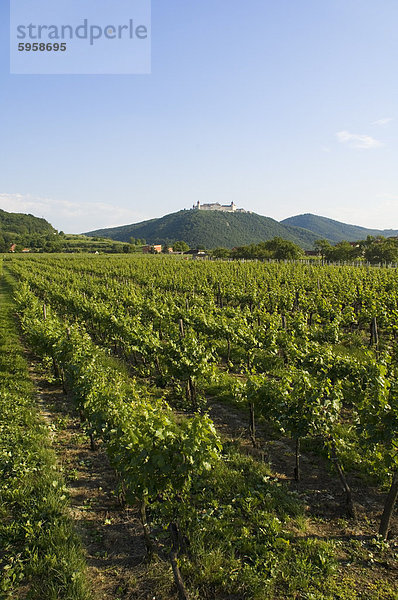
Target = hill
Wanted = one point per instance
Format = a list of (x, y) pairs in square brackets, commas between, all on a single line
[(334, 231), (20, 231), (209, 229), (21, 224), (23, 230)]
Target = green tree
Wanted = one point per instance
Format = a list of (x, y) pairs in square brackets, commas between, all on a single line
[(284, 249), (221, 253), (180, 246), (324, 248), (343, 251), (382, 250)]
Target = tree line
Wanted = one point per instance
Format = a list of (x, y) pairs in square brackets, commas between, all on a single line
[(373, 250)]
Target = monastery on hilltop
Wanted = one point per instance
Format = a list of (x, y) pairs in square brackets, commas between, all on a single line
[(221, 207)]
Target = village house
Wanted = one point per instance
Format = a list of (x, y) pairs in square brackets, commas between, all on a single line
[(156, 249)]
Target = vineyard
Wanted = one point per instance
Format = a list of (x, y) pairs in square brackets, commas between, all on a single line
[(248, 410), (40, 555)]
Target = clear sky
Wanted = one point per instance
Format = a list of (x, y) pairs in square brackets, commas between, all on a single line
[(283, 106)]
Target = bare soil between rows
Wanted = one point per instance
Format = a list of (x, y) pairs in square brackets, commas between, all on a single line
[(320, 491), (112, 535)]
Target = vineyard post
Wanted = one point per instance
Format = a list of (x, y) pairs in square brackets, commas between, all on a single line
[(349, 502), (181, 325), (55, 368), (297, 473), (252, 425), (182, 592), (158, 367), (92, 443), (296, 303), (374, 334), (64, 388), (229, 348), (389, 506), (192, 394), (147, 533), (191, 390), (62, 372)]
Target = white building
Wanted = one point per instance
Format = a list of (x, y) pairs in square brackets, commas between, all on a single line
[(217, 206)]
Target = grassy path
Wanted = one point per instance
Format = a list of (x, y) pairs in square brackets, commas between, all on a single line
[(40, 555), (111, 533)]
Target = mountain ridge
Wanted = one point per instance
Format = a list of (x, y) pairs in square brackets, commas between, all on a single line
[(228, 229), (210, 229), (335, 231)]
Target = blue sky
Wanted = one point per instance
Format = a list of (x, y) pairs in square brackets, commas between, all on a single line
[(282, 106)]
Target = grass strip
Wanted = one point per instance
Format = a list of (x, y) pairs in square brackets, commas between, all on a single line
[(40, 554)]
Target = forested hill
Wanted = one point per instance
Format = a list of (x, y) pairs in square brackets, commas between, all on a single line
[(20, 224), (16, 228), (335, 231), (209, 229)]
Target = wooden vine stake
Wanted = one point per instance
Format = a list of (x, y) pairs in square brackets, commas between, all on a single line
[(350, 508), (297, 474), (92, 443), (191, 390), (182, 332), (374, 334), (229, 349), (252, 425), (147, 532), (182, 592), (389, 507)]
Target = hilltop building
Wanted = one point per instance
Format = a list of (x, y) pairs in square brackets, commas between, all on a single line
[(220, 207)]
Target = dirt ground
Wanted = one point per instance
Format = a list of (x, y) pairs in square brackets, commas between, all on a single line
[(112, 534), (363, 562)]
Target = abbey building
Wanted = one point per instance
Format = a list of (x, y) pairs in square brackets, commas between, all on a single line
[(220, 207)]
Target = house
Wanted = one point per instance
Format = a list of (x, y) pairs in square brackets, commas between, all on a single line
[(197, 253), (156, 249)]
